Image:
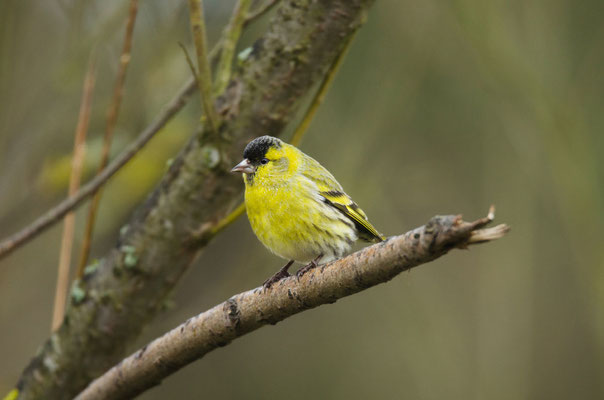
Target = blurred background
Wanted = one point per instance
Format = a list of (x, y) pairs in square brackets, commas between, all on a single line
[(440, 107)]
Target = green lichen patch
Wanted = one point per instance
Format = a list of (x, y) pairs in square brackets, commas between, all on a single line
[(244, 54), (130, 256), (210, 157), (124, 229), (78, 294), (91, 268)]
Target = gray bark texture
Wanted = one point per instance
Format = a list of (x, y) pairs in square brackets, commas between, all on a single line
[(116, 300)]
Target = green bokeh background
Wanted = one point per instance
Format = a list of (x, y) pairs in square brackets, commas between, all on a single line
[(440, 107)]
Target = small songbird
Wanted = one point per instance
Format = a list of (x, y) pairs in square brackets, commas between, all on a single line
[(297, 208)]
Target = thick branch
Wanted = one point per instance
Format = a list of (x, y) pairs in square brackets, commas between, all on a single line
[(248, 311), (118, 298)]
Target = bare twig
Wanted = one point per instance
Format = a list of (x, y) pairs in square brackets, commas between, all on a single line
[(484, 235), (56, 213), (189, 61), (204, 78), (228, 220), (53, 215), (320, 95), (248, 311), (110, 127), (230, 38), (79, 150)]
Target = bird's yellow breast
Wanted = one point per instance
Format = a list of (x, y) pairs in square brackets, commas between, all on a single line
[(293, 223)]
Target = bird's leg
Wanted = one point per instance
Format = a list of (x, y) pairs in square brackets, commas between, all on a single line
[(282, 273), (313, 264)]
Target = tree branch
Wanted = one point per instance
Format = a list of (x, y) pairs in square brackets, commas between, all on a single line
[(248, 311), (204, 75), (53, 215), (112, 115), (79, 151), (230, 37), (130, 284)]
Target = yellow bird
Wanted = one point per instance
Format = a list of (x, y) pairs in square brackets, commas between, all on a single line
[(296, 208)]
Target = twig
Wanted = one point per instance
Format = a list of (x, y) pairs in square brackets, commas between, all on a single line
[(320, 95), (53, 215), (189, 61), (204, 79), (228, 220), (110, 127), (56, 213), (230, 38), (79, 150), (248, 311)]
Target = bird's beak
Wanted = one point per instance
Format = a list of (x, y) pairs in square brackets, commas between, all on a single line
[(244, 166)]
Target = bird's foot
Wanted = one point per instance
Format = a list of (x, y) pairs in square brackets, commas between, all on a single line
[(281, 274), (313, 264), (275, 278)]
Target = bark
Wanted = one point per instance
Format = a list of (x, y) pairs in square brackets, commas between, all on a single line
[(248, 311), (114, 301)]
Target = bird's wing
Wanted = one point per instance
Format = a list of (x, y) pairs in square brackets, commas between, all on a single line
[(335, 196), (349, 208)]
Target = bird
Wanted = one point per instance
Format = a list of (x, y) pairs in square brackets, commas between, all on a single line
[(296, 208)]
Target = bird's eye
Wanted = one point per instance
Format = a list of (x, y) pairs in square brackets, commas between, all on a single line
[(264, 161)]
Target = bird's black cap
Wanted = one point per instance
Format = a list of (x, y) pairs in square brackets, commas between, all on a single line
[(257, 148)]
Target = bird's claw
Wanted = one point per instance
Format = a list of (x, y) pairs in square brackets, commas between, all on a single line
[(275, 278), (306, 268)]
